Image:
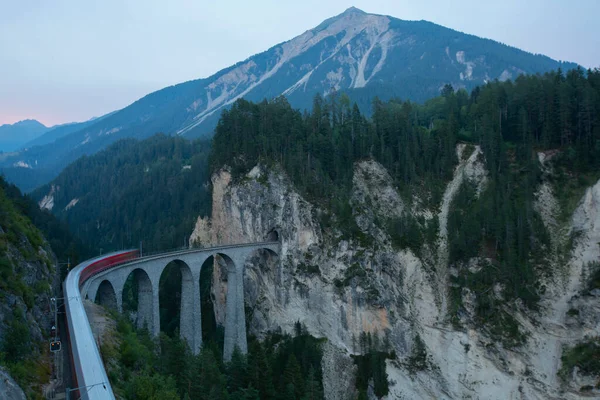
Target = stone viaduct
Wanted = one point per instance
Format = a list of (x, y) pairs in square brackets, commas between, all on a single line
[(107, 287)]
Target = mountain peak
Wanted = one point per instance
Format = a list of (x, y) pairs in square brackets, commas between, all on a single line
[(353, 10), (26, 122), (13, 136), (30, 122), (351, 15)]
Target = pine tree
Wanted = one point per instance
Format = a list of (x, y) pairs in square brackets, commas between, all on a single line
[(260, 374), (292, 376), (237, 371), (312, 387), (212, 383)]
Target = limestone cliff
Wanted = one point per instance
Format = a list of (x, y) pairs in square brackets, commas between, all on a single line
[(340, 288)]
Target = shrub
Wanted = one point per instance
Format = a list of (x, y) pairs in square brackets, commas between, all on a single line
[(585, 356)]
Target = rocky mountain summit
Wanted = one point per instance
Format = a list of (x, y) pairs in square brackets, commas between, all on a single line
[(365, 55)]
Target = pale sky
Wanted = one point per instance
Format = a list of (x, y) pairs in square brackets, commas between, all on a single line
[(70, 60)]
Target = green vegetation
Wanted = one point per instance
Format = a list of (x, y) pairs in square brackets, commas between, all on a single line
[(573, 312), (594, 280), (24, 358), (418, 359), (585, 356), (62, 241), (170, 299), (16, 344), (281, 368), (309, 269), (147, 191), (318, 149), (408, 232), (500, 223), (570, 187), (14, 223), (416, 143), (353, 271), (20, 241), (371, 365), (556, 113)]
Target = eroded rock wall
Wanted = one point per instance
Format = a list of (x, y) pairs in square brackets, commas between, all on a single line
[(340, 289)]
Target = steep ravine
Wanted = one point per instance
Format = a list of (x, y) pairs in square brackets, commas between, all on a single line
[(340, 289)]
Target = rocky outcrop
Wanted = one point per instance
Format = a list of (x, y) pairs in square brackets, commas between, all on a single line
[(9, 390), (340, 289), (47, 203), (31, 295), (27, 281)]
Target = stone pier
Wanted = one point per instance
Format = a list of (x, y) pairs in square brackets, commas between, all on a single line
[(107, 288)]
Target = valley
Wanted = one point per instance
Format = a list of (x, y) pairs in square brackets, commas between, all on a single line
[(374, 209)]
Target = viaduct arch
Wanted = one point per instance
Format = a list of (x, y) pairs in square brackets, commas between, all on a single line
[(146, 277)]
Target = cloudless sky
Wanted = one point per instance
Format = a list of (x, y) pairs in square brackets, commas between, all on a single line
[(70, 60)]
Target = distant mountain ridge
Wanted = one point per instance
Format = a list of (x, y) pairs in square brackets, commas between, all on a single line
[(13, 136), (58, 131), (365, 55)]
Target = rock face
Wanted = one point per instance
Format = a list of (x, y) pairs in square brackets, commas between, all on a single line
[(27, 281), (340, 289), (39, 278), (9, 390)]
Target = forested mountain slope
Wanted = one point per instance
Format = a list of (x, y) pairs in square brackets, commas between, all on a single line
[(459, 235), (27, 280), (34, 252), (366, 55), (149, 191), (478, 261), (57, 132)]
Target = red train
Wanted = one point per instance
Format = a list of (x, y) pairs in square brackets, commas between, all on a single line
[(87, 270), (106, 263)]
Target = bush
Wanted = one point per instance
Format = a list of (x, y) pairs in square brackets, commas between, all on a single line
[(371, 365), (16, 344), (418, 360), (585, 356), (594, 282), (406, 232)]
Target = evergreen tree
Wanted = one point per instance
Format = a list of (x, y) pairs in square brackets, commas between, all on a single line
[(292, 377), (237, 371), (313, 388), (260, 371)]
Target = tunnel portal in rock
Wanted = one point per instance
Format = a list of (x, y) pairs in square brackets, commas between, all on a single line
[(273, 235)]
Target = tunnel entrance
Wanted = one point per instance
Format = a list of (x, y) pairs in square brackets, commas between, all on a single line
[(273, 236)]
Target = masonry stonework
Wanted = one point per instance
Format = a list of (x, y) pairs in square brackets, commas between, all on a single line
[(147, 272)]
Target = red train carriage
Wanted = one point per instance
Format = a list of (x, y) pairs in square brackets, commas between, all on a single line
[(106, 263), (83, 341)]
